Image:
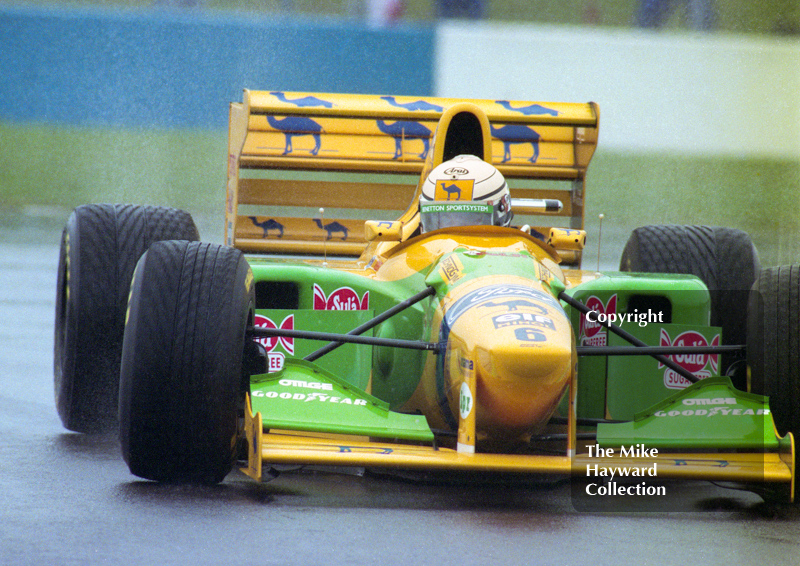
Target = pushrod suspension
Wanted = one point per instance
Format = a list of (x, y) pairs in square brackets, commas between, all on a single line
[(260, 332), (655, 350), (373, 323)]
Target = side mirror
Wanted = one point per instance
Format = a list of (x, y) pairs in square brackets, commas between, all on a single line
[(383, 230), (567, 239)]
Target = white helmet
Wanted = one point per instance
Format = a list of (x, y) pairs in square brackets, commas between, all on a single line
[(464, 191)]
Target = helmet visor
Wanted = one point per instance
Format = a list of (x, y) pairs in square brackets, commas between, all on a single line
[(439, 214)]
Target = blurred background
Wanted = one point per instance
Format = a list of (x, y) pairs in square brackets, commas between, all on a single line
[(126, 101)]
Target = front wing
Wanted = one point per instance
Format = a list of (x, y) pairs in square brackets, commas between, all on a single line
[(302, 448)]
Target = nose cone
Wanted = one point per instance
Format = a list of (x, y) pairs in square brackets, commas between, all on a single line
[(520, 344), (519, 386)]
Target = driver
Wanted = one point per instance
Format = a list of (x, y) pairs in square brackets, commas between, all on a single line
[(464, 191)]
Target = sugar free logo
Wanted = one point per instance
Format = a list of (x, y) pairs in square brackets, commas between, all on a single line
[(592, 333), (275, 359), (700, 365), (271, 342)]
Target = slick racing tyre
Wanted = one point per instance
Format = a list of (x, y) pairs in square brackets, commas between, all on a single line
[(724, 258), (100, 246), (184, 376), (773, 344)]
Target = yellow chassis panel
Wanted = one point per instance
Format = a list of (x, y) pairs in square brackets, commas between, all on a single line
[(279, 448)]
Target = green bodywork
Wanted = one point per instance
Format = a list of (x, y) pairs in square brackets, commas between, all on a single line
[(617, 387), (391, 373), (629, 388), (303, 396), (720, 416)]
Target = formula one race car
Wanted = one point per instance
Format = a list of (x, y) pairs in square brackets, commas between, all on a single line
[(385, 299)]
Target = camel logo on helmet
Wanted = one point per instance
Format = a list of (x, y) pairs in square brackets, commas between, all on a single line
[(454, 189)]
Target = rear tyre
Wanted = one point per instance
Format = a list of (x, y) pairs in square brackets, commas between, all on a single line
[(773, 344), (725, 259), (184, 371), (100, 246)]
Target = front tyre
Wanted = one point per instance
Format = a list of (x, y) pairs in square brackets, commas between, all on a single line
[(724, 258), (773, 344), (183, 375), (100, 246)]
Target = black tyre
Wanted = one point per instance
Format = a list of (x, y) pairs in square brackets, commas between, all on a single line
[(773, 344), (724, 258), (183, 377), (100, 246)]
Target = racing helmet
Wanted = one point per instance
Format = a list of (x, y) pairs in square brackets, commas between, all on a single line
[(464, 191)]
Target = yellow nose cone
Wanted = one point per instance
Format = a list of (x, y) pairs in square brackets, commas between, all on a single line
[(518, 387), (521, 345)]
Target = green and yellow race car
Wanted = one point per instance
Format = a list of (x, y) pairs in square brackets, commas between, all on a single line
[(400, 287)]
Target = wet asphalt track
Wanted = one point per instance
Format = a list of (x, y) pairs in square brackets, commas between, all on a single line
[(69, 499)]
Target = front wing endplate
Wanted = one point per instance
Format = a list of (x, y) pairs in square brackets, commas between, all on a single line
[(254, 432)]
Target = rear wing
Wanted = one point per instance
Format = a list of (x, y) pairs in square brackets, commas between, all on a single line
[(307, 171)]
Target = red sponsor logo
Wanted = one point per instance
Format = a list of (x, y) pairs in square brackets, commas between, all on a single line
[(691, 362), (592, 333), (694, 363), (342, 299), (271, 342)]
